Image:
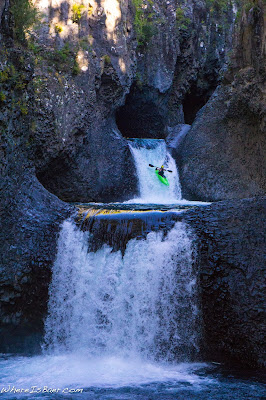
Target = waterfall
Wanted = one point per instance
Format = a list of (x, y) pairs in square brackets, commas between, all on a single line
[(119, 325), (154, 151), (140, 304)]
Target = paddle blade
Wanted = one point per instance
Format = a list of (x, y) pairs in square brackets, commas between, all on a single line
[(150, 165)]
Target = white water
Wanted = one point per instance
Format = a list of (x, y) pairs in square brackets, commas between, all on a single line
[(78, 371), (116, 321), (154, 151), (140, 305)]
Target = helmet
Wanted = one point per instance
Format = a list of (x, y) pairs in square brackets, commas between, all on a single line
[(162, 166)]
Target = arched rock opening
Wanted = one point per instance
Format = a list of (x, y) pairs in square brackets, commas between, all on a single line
[(82, 172), (144, 114)]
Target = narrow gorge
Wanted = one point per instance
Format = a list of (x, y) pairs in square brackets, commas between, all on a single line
[(114, 282)]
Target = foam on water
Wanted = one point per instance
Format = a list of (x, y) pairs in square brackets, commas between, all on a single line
[(153, 151), (119, 325), (141, 304), (81, 370), (108, 378), (116, 320)]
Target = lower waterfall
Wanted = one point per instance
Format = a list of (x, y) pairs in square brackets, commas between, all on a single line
[(122, 325), (142, 304)]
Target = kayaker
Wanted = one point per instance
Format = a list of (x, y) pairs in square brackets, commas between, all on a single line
[(161, 171)]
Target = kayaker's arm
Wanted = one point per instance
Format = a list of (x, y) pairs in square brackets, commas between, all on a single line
[(157, 168)]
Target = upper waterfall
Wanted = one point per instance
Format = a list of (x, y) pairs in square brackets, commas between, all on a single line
[(151, 190)]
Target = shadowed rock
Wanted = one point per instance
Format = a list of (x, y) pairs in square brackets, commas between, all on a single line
[(223, 155)]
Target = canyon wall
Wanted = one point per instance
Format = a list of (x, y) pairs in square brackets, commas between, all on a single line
[(223, 155), (83, 79)]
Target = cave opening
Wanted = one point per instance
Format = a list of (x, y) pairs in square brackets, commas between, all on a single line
[(143, 115), (192, 103)]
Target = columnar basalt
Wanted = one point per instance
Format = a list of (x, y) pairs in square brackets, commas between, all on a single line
[(222, 157)]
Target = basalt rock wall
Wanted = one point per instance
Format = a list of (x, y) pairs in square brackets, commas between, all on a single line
[(90, 67), (223, 155), (63, 82), (63, 89), (178, 69), (58, 142), (231, 237), (30, 222)]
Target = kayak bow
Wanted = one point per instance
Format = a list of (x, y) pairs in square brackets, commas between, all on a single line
[(161, 178)]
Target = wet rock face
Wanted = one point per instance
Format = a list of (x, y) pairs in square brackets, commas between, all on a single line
[(222, 156), (88, 67), (73, 77), (30, 223), (79, 154), (94, 171), (56, 125), (203, 54), (231, 264)]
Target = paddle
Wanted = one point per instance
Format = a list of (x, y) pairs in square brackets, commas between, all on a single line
[(153, 166)]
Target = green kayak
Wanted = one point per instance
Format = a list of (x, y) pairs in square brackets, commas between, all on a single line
[(162, 179)]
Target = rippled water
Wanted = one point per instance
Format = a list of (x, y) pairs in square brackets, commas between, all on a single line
[(77, 376), (102, 326), (177, 205)]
